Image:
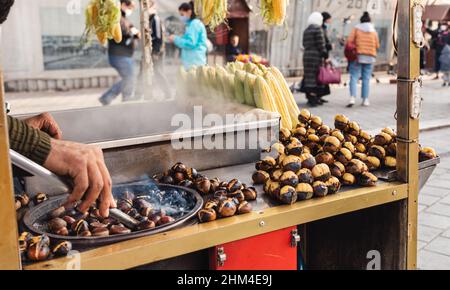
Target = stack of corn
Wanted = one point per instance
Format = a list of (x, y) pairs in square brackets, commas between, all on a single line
[(103, 20), (212, 12), (250, 84), (273, 12)]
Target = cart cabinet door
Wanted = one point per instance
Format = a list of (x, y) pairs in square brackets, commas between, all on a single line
[(271, 251)]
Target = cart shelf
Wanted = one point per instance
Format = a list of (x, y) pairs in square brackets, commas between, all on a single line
[(267, 217)]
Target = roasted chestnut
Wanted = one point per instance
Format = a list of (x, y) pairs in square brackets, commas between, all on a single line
[(180, 168), (321, 172), (23, 199), (356, 167), (285, 135), (277, 149), (40, 198), (320, 189), (382, 139), (238, 195), (305, 176), (338, 134), (377, 151), (332, 144), (351, 138), (344, 155), (360, 156), (273, 189), (391, 149), (62, 249), (348, 179), (299, 133), (313, 138), (390, 132), (56, 224), (304, 191), (289, 178), (250, 193), (333, 185), (324, 130), (364, 137), (207, 215), (186, 183), (259, 177), (24, 240), (227, 208), (373, 163), (39, 250), (349, 146), (316, 122), (305, 116), (337, 169), (367, 179), (79, 227), (85, 234), (353, 129), (69, 220), (144, 225), (390, 162), (192, 174), (341, 122), (427, 153), (325, 157), (276, 174), (100, 232), (292, 163), (121, 230), (308, 161), (244, 207), (167, 180), (295, 148), (360, 147), (203, 185), (266, 164), (178, 177), (288, 195), (234, 185)]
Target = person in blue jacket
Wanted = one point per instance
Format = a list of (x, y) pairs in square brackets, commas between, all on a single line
[(193, 43)]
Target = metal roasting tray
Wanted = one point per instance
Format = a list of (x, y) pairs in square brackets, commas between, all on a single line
[(33, 219)]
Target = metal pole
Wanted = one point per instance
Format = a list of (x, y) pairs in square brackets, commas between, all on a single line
[(9, 247), (407, 127), (146, 43)]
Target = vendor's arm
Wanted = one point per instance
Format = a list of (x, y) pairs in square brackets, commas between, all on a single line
[(190, 39)]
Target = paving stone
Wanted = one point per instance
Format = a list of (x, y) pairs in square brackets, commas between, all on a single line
[(439, 208), (439, 245), (446, 233), (445, 200), (435, 191), (420, 245), (427, 260), (427, 234), (421, 207), (428, 200), (434, 220), (441, 183)]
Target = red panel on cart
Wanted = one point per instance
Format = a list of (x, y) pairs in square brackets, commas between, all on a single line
[(271, 251)]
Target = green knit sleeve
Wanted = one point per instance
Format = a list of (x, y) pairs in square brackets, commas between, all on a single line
[(28, 141)]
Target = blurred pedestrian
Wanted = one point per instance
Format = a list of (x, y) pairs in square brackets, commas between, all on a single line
[(444, 60), (193, 43), (439, 38), (327, 19), (365, 38), (314, 56), (121, 57), (233, 50)]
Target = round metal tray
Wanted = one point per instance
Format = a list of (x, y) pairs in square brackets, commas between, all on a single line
[(33, 219)]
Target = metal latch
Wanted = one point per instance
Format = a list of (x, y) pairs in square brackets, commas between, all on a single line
[(221, 256), (7, 108), (295, 238), (416, 102)]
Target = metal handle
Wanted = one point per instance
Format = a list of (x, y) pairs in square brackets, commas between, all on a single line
[(61, 185)]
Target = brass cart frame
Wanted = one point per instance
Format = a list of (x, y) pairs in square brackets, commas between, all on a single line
[(385, 216)]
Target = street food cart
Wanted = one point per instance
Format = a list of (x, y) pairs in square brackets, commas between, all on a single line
[(342, 231)]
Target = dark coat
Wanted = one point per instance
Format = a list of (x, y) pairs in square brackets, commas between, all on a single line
[(314, 55)]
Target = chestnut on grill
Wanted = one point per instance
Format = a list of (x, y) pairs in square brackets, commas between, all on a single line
[(353, 129), (167, 180), (361, 156), (250, 193), (390, 162), (360, 147), (391, 149), (299, 133), (382, 139), (79, 227), (313, 138), (203, 185), (56, 213), (305, 116), (100, 232), (344, 155), (308, 161), (364, 137), (341, 122), (69, 220), (338, 134), (56, 224), (259, 177), (178, 177), (180, 168), (333, 185), (186, 183), (337, 169), (220, 194), (316, 122), (332, 144), (278, 149), (304, 191), (238, 195), (24, 241), (38, 251), (305, 176), (348, 179), (207, 215), (274, 189), (289, 178), (351, 138), (62, 249), (373, 163), (23, 199), (321, 172), (367, 179), (121, 230), (377, 151), (324, 130), (288, 195), (85, 234), (291, 163), (234, 185), (356, 167), (349, 146), (427, 153), (285, 135), (325, 157), (215, 184), (192, 174), (244, 208), (227, 208), (320, 189), (266, 164), (40, 198), (295, 149), (144, 225), (276, 174)]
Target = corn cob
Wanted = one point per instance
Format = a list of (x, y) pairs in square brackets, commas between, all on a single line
[(279, 11), (239, 79), (249, 85), (282, 107), (293, 108)]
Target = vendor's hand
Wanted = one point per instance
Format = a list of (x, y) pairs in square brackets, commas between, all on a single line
[(86, 166), (45, 123), (171, 38)]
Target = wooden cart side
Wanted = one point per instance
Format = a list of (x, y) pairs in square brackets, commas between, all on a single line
[(8, 226), (408, 128)]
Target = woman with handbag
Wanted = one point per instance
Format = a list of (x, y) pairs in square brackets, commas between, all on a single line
[(364, 38), (314, 56)]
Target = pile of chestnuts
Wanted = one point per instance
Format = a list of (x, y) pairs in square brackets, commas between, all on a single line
[(40, 248), (23, 200), (229, 199)]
